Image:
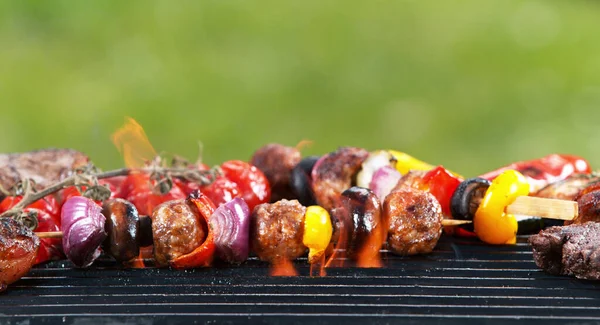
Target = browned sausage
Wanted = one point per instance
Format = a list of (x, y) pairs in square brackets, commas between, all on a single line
[(411, 179), (414, 220), (333, 174), (18, 248), (276, 230), (276, 161), (177, 229)]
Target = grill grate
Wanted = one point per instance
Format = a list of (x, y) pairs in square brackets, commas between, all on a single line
[(462, 281)]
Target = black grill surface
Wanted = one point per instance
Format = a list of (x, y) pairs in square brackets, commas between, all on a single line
[(463, 281)]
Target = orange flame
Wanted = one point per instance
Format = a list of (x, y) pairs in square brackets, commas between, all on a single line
[(369, 254), (133, 144), (304, 144), (321, 264), (283, 267)]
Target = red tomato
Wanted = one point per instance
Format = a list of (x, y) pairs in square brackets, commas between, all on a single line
[(47, 204), (252, 183), (50, 248), (222, 190), (141, 195)]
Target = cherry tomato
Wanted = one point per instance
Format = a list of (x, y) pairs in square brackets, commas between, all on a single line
[(221, 191), (50, 248), (252, 183), (47, 204), (142, 196)]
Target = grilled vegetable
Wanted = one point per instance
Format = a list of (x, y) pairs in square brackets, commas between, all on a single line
[(491, 223), (82, 224), (231, 225)]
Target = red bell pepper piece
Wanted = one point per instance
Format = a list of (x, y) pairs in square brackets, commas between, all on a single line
[(546, 170), (203, 254), (441, 183)]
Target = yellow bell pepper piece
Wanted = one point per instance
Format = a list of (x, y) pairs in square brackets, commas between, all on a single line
[(317, 232), (406, 163), (492, 224)]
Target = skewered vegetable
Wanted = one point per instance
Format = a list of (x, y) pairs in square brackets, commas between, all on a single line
[(301, 180), (122, 227), (491, 223), (231, 225), (317, 232)]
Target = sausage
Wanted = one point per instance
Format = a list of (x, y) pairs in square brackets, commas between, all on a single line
[(122, 227), (333, 174), (277, 229), (411, 179), (177, 230), (18, 249), (276, 161), (414, 220)]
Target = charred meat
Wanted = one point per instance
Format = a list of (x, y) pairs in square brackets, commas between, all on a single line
[(570, 250), (334, 172), (177, 229), (569, 188), (276, 161), (44, 167), (18, 248), (414, 220), (276, 230)]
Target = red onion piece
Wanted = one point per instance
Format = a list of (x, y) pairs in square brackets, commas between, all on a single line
[(384, 180), (231, 226), (83, 230)]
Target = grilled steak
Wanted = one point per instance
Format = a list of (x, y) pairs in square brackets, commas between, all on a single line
[(44, 167), (569, 188), (569, 250)]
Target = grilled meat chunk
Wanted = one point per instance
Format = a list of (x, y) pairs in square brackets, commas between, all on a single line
[(177, 229), (333, 173), (276, 230), (569, 250), (414, 220), (18, 248), (569, 188), (45, 166), (276, 161)]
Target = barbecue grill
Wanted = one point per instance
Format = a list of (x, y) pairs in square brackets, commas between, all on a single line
[(462, 281)]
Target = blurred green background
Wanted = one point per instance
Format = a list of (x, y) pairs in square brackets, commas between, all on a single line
[(469, 84)]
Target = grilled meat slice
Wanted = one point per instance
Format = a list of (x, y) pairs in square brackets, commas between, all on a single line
[(569, 250), (18, 248), (44, 167), (569, 188)]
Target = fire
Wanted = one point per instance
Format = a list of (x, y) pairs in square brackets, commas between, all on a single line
[(283, 267), (133, 144), (369, 254)]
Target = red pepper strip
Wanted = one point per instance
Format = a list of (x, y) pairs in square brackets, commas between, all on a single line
[(203, 254), (441, 183), (546, 170)]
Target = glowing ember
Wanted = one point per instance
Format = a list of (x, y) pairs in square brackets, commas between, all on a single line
[(133, 144)]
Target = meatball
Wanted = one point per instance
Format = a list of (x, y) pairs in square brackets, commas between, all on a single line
[(18, 248), (276, 161), (333, 174), (277, 230), (414, 220), (177, 229)]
